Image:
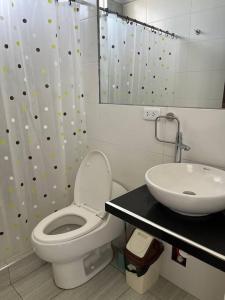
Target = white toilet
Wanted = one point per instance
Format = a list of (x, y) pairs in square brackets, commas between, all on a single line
[(77, 239)]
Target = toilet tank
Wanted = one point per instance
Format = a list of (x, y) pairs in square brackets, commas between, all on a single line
[(117, 190)]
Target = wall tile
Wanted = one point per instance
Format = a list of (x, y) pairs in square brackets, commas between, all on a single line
[(198, 278), (128, 164), (161, 9), (197, 5), (124, 125), (210, 22), (137, 10), (199, 89), (206, 55), (203, 132)]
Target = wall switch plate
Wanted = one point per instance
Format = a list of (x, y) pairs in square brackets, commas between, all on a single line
[(151, 113)]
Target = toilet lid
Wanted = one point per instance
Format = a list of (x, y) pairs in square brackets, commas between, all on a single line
[(93, 184)]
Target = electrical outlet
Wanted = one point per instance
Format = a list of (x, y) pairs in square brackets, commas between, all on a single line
[(151, 113)]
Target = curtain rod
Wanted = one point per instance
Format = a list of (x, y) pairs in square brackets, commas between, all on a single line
[(154, 29)]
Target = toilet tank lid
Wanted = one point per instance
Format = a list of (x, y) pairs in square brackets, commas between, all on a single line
[(93, 185)]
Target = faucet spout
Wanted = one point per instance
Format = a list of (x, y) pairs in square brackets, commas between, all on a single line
[(179, 146)]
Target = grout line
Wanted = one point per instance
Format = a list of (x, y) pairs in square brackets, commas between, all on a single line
[(27, 275), (117, 269), (12, 285), (123, 293), (60, 292), (20, 296)]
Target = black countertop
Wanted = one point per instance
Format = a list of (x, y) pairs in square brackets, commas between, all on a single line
[(202, 237)]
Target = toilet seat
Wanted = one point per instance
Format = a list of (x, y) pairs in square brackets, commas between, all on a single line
[(91, 222), (93, 187)]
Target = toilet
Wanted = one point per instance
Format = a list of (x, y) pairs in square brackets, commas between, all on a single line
[(76, 240)]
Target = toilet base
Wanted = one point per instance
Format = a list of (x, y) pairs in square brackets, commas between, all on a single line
[(76, 273)]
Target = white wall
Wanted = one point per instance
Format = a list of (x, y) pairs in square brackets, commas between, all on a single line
[(200, 59), (129, 142)]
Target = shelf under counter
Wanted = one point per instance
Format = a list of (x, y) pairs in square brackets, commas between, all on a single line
[(201, 237)]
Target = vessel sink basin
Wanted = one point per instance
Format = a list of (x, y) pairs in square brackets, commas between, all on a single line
[(189, 189)]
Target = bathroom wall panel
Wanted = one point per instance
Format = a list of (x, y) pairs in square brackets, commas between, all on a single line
[(197, 5), (205, 281), (161, 9), (136, 10), (128, 163), (210, 21), (203, 132)]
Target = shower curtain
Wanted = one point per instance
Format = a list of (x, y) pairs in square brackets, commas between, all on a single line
[(42, 117), (137, 65)]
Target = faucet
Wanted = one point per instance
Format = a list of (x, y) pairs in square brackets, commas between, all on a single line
[(179, 146)]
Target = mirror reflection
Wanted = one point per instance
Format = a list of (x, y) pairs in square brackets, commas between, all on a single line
[(162, 53)]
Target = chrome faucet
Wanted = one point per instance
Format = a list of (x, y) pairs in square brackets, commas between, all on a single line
[(179, 146)]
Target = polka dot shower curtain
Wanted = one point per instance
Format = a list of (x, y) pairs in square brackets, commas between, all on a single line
[(42, 119), (137, 65)]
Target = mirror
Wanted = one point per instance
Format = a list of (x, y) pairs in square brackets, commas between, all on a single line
[(162, 53)]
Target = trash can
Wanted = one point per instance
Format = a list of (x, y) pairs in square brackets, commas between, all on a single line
[(142, 256)]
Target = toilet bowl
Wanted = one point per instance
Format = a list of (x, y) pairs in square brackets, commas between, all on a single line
[(77, 239)]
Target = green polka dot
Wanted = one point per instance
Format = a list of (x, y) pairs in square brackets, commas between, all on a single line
[(5, 69), (18, 43), (49, 21), (2, 142), (76, 27), (53, 46), (50, 1), (43, 71)]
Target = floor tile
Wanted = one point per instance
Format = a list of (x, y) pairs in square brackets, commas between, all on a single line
[(165, 290), (4, 278), (107, 285), (39, 285), (9, 293), (24, 267), (132, 295)]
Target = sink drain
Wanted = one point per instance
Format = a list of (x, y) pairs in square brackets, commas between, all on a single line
[(189, 193)]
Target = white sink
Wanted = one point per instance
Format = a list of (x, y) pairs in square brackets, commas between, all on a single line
[(189, 189)]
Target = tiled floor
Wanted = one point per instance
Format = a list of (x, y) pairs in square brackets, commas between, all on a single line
[(109, 284)]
